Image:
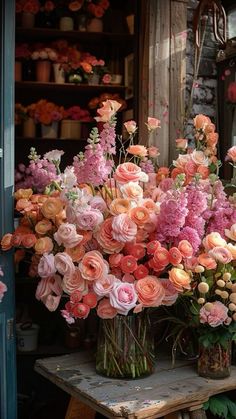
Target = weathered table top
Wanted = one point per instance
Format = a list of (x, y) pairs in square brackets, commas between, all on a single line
[(167, 390)]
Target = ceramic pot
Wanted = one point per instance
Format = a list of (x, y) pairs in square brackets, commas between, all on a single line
[(95, 25), (18, 71), (49, 131), (29, 128), (59, 73), (43, 71), (70, 129), (27, 20)]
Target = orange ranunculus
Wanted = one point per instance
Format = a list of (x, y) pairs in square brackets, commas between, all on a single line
[(161, 256), (86, 67), (43, 245), (6, 241), (207, 261), (24, 205), (185, 248), (43, 226), (52, 207), (139, 215), (150, 291), (175, 256), (16, 239), (98, 11), (119, 206), (23, 193), (180, 279), (28, 240), (76, 253), (162, 173), (212, 240)]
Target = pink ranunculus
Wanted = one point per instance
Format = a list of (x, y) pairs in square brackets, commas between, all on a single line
[(153, 124), (93, 266), (3, 289), (123, 297), (80, 310), (105, 309), (75, 282), (130, 126), (221, 254), (123, 228), (64, 264), (105, 285), (89, 219), (67, 235), (216, 316), (231, 154), (127, 172), (109, 108), (171, 294), (46, 266)]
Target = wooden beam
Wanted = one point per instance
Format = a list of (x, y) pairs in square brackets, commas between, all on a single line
[(78, 410)]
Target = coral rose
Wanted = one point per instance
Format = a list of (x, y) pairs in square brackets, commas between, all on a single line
[(105, 309), (123, 228), (109, 108), (105, 238), (123, 297), (150, 291), (180, 279), (161, 257), (201, 121), (43, 245), (137, 150), (93, 266), (52, 207), (74, 282), (127, 172)]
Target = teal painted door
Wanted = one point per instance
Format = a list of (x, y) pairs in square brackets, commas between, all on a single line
[(8, 400)]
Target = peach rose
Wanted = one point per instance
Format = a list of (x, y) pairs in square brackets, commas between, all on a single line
[(52, 207), (109, 108), (231, 154), (123, 228), (119, 206), (231, 234), (181, 143), (201, 121), (180, 279), (67, 235), (199, 158), (23, 193), (212, 139), (74, 282), (127, 172), (43, 226), (150, 291), (105, 238), (139, 215), (153, 152), (137, 150), (6, 242), (203, 171), (212, 240), (105, 309), (185, 248), (76, 253), (130, 126), (104, 285), (93, 266), (207, 261), (221, 254), (43, 245), (24, 204), (153, 124), (29, 240)]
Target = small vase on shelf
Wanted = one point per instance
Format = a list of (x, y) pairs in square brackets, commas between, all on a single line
[(75, 78), (66, 23), (29, 128), (59, 73), (43, 71), (214, 362), (18, 70), (93, 79), (49, 131), (27, 20), (70, 129), (125, 347), (95, 25)]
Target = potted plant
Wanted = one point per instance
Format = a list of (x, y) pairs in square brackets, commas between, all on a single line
[(43, 57), (48, 114), (71, 122)]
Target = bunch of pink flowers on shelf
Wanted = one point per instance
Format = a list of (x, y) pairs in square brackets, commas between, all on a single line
[(27, 6), (77, 113), (44, 53), (121, 238)]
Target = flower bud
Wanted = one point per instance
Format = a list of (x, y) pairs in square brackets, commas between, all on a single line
[(203, 287), (229, 285), (224, 295), (232, 297), (234, 317), (226, 276), (232, 307), (233, 288), (199, 269), (180, 266), (201, 300), (218, 292), (221, 283), (208, 306)]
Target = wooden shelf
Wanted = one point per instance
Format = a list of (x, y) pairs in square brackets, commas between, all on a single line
[(41, 34), (60, 140), (34, 85)]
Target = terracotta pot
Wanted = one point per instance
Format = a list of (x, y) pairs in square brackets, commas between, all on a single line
[(18, 71), (49, 131), (59, 73), (43, 71), (27, 20), (29, 128), (70, 129), (95, 25)]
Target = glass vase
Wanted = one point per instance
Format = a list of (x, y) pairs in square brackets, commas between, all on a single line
[(214, 362), (125, 347)]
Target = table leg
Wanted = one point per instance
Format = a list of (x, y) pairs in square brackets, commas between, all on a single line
[(78, 410), (198, 414)]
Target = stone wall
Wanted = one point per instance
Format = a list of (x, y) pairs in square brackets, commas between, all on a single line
[(205, 90)]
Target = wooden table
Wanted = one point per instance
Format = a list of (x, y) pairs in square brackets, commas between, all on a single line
[(167, 390)]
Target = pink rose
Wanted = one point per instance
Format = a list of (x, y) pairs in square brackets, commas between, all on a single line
[(75, 282), (109, 108), (46, 266), (64, 264), (49, 291), (89, 219), (105, 238), (153, 124), (216, 316), (127, 172), (93, 266), (67, 235), (52, 302), (171, 294), (221, 254), (105, 310), (123, 228), (105, 285), (130, 126), (123, 297), (3, 289), (181, 143), (98, 203), (153, 152), (231, 154)]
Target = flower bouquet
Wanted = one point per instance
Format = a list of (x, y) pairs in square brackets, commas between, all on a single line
[(48, 114), (71, 122), (27, 9)]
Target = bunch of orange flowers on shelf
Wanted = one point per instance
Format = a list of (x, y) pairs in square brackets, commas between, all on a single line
[(47, 112), (27, 6), (97, 8), (22, 112)]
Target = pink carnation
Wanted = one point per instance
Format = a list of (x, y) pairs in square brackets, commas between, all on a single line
[(216, 316)]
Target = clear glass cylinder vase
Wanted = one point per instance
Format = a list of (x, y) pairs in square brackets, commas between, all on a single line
[(125, 347), (215, 362)]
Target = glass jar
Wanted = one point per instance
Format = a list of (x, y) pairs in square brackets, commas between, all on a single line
[(215, 361), (125, 347)]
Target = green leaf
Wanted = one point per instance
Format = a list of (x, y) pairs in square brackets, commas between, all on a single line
[(218, 406), (231, 408)]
